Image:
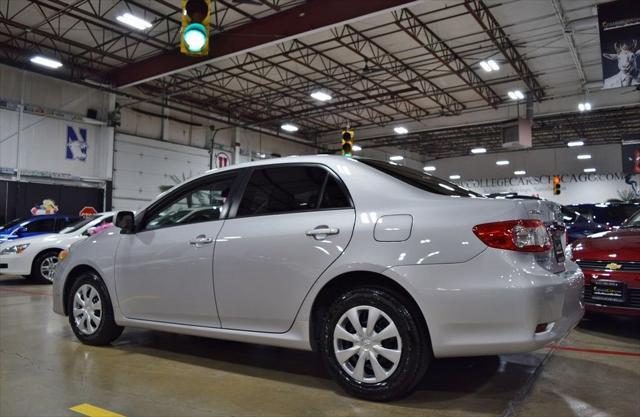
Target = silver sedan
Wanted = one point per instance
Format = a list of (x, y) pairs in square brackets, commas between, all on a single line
[(377, 267)]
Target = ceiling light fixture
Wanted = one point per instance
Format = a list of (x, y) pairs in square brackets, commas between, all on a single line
[(478, 150), (489, 65), (454, 177), (516, 95), (321, 96), (584, 106), (396, 158), (429, 168), (575, 143), (289, 127), (400, 130), (134, 21), (589, 170), (584, 156), (519, 172), (46, 62), (356, 148), (503, 162)]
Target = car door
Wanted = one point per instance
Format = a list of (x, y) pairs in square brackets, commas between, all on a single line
[(292, 222), (164, 270)]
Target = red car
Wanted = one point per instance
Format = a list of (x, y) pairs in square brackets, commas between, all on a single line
[(611, 265)]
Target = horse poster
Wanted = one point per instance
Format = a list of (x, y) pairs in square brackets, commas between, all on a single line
[(619, 24)]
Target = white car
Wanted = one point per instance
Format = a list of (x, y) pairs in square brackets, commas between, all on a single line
[(36, 257), (377, 267)]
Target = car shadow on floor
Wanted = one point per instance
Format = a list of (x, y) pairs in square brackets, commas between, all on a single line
[(488, 383), (611, 326)]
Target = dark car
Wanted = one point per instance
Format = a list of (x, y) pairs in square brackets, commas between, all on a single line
[(608, 214), (579, 226), (37, 225)]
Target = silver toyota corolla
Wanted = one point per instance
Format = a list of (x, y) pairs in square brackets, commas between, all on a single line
[(377, 267)]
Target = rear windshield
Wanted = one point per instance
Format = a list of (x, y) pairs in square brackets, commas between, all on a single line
[(421, 180)]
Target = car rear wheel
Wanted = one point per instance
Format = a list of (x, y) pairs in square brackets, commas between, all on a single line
[(90, 311), (374, 345), (44, 267)]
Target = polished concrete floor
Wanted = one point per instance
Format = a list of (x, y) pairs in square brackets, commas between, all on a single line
[(45, 371)]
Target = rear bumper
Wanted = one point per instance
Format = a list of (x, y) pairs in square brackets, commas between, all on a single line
[(15, 265), (493, 303), (618, 311)]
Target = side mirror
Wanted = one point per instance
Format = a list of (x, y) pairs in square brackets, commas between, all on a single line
[(125, 221)]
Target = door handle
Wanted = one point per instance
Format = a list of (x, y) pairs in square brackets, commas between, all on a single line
[(200, 240), (321, 232)]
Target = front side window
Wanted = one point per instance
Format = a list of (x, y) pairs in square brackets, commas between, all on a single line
[(202, 204), (289, 189), (40, 226)]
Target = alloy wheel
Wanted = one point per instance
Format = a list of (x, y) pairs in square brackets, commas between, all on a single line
[(48, 267)]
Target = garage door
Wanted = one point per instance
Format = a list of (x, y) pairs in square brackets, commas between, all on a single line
[(143, 168)]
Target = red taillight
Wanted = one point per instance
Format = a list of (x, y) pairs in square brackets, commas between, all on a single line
[(518, 235)]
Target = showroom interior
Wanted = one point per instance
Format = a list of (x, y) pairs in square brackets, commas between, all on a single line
[(472, 174)]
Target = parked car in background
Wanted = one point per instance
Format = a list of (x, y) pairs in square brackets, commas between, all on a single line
[(36, 257), (37, 225), (377, 267), (607, 214), (578, 226), (611, 265)]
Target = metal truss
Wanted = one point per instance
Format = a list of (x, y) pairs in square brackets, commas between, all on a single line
[(485, 18), (107, 44), (420, 32), (365, 47), (353, 81)]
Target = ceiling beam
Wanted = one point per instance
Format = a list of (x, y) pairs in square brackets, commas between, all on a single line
[(423, 35), (492, 28), (288, 24)]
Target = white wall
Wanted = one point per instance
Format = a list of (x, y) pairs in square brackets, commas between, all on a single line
[(44, 138)]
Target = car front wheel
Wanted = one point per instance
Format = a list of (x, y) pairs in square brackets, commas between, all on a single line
[(90, 311), (374, 345), (44, 267)]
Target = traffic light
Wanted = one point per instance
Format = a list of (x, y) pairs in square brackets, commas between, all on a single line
[(194, 34), (556, 184), (348, 137)]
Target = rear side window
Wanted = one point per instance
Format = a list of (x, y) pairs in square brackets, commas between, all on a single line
[(40, 226), (291, 189), (420, 180)]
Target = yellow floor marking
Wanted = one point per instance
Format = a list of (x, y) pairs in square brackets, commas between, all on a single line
[(93, 411)]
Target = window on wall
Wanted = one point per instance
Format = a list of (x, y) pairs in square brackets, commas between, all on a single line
[(202, 204), (291, 189)]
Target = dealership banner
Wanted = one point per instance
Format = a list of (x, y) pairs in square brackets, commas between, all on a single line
[(619, 25), (574, 188)]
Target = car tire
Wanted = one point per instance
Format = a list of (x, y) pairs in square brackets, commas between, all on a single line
[(382, 364), (43, 267), (91, 312)]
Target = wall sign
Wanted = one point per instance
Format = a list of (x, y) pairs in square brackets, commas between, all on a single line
[(576, 188), (76, 144), (88, 211), (222, 159)]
